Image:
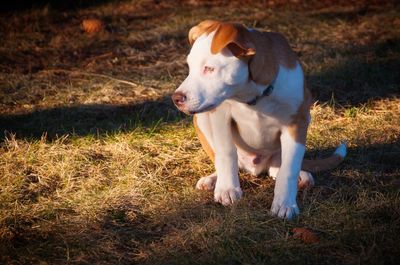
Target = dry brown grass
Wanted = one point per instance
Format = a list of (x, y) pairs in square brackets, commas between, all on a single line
[(94, 170)]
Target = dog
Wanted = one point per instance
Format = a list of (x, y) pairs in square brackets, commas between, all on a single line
[(251, 108)]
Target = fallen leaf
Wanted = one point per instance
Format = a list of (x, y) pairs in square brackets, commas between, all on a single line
[(92, 26), (305, 235)]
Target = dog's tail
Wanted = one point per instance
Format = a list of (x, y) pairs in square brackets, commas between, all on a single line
[(325, 163)]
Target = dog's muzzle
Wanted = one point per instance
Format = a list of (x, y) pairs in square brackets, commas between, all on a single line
[(179, 99)]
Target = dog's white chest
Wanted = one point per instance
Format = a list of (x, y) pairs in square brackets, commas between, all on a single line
[(259, 131), (260, 126)]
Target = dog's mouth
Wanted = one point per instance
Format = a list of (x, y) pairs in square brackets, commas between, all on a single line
[(204, 109)]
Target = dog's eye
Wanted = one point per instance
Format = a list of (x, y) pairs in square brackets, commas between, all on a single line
[(208, 70)]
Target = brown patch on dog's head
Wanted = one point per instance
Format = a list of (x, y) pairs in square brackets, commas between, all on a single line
[(233, 36), (206, 26)]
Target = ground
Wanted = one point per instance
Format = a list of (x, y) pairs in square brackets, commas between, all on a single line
[(98, 167)]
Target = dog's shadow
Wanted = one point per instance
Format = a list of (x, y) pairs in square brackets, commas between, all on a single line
[(358, 79), (93, 119)]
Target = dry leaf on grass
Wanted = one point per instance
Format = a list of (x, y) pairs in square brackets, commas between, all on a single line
[(92, 26), (305, 235)]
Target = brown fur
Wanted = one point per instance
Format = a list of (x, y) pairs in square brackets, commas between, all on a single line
[(206, 26), (206, 146), (272, 50), (321, 164), (299, 124), (233, 36)]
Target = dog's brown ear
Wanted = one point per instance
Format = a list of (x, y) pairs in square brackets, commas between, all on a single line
[(272, 51), (235, 37), (206, 26)]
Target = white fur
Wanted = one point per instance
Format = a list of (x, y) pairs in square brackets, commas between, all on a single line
[(225, 90), (306, 179), (284, 204), (209, 90), (227, 188), (259, 124)]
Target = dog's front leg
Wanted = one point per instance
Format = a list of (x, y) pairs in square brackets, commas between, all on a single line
[(227, 188), (284, 204)]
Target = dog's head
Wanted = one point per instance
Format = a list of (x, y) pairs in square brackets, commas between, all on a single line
[(218, 65)]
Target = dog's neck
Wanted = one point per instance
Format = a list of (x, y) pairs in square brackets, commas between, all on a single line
[(252, 93), (267, 91)]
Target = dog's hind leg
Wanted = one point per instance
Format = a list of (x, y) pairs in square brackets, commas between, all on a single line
[(274, 165), (305, 178), (207, 182)]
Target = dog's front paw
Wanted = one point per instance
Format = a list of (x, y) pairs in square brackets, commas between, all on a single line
[(207, 183), (227, 196), (284, 208)]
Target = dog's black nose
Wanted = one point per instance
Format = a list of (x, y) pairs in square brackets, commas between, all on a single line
[(178, 98)]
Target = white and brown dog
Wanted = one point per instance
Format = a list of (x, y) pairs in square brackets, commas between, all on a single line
[(252, 110)]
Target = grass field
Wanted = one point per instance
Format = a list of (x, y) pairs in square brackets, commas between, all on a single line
[(94, 170)]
